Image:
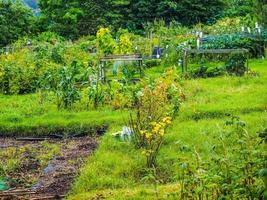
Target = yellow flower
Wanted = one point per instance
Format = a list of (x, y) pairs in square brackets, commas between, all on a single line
[(167, 120), (162, 132), (156, 129)]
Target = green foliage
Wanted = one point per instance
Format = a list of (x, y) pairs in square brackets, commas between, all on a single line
[(17, 74), (74, 18), (96, 93), (236, 65), (234, 41), (237, 159), (239, 8), (67, 91), (229, 25), (16, 21), (186, 12), (105, 42), (62, 16), (204, 71), (125, 44)]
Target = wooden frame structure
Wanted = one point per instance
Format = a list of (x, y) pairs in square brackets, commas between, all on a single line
[(126, 58), (188, 52)]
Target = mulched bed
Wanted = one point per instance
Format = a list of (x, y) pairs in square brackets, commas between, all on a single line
[(55, 180)]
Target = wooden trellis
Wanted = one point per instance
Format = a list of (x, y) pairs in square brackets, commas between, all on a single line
[(188, 52)]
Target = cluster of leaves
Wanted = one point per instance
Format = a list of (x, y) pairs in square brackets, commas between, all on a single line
[(229, 25), (236, 169), (236, 65)]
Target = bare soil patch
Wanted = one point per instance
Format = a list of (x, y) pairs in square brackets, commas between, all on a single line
[(44, 179)]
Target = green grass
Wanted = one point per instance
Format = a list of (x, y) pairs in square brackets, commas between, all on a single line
[(117, 168), (25, 115)]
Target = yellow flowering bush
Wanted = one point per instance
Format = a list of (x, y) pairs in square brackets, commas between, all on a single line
[(125, 45), (157, 103), (153, 139), (104, 42)]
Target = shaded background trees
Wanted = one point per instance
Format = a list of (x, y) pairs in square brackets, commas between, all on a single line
[(73, 18), (16, 20)]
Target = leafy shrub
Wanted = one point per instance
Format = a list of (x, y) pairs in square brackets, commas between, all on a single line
[(155, 104), (105, 43), (18, 74), (57, 54), (123, 95), (125, 44), (236, 65), (50, 37)]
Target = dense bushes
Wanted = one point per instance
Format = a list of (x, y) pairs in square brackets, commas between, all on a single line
[(18, 74), (253, 44), (36, 66)]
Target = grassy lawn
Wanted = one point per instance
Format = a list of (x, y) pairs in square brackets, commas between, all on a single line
[(25, 115), (115, 171)]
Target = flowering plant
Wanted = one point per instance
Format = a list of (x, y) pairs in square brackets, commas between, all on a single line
[(153, 139)]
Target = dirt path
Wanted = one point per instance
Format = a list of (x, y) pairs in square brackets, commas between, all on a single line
[(53, 180)]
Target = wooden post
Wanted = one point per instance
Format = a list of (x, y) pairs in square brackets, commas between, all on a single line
[(184, 65), (247, 62), (151, 43)]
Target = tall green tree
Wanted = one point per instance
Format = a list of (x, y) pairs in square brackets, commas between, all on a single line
[(81, 17), (261, 11), (100, 13), (16, 21), (187, 12), (62, 16), (236, 8)]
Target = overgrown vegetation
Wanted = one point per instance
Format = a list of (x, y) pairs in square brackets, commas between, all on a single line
[(193, 122)]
